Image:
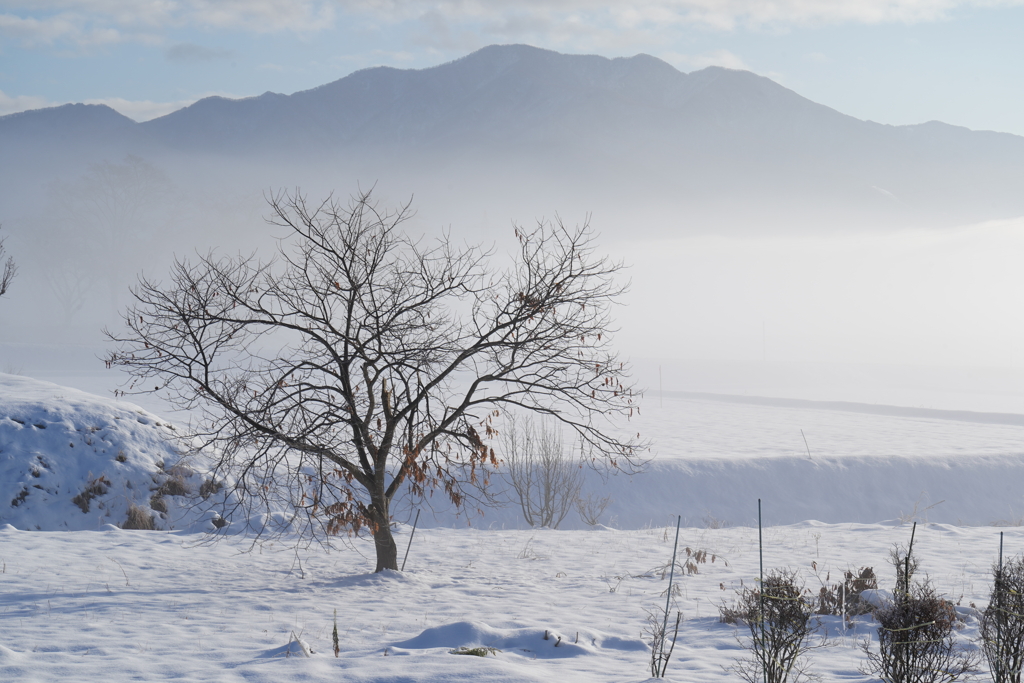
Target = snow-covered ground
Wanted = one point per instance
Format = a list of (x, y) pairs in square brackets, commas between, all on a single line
[(103, 603), (71, 460), (120, 605)]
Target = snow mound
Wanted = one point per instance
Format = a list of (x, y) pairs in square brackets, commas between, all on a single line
[(532, 642), (74, 461)]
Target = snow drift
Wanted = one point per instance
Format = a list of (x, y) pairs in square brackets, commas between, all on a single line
[(74, 461)]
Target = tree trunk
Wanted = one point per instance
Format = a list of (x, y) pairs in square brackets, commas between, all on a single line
[(383, 540)]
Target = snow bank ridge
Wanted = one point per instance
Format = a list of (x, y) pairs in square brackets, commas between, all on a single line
[(74, 461)]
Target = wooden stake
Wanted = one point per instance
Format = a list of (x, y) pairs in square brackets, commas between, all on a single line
[(417, 521)]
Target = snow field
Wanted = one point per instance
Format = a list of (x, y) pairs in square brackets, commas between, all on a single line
[(711, 460), (120, 605), (99, 603)]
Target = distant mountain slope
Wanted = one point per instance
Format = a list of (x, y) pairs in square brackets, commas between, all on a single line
[(715, 140), (504, 95)]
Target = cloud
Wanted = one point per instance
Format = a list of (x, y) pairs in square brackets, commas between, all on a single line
[(141, 110), (645, 14), (138, 110), (13, 104), (33, 32), (449, 22), (581, 25), (85, 22), (191, 53), (705, 59)]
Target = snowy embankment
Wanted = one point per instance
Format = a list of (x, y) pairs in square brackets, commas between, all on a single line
[(71, 461), (712, 458)]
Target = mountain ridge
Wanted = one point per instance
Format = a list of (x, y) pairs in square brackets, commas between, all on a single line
[(715, 137)]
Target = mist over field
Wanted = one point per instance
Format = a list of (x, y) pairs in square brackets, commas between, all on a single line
[(759, 228)]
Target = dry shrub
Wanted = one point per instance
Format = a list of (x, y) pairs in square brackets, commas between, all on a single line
[(917, 640), (173, 484), (779, 620), (689, 565), (96, 487), (138, 518), (845, 598), (591, 507), (1002, 625), (659, 628), (733, 614), (545, 478), (916, 633), (209, 487)]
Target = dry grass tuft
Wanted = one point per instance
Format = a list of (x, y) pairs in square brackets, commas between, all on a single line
[(138, 518)]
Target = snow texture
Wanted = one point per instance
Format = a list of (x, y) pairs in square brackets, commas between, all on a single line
[(73, 461), (120, 605), (116, 604)]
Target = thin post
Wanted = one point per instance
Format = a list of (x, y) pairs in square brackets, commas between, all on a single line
[(805, 445), (906, 562), (1000, 553), (1000, 622), (760, 590), (668, 598), (842, 598), (417, 521)]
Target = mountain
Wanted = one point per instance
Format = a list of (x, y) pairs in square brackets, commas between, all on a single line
[(712, 143)]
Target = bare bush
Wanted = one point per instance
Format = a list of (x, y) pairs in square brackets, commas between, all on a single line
[(546, 480), (1002, 624), (591, 507), (9, 270), (139, 519), (917, 633), (662, 645), (95, 488), (778, 616), (845, 598)]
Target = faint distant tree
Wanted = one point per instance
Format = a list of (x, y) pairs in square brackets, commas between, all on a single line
[(362, 361), (72, 287), (545, 479), (98, 225), (9, 269)]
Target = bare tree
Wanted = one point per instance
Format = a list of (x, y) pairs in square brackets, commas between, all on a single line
[(9, 269), (545, 479), (361, 361)]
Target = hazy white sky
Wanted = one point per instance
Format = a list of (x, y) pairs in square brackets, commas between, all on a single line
[(940, 298), (892, 61)]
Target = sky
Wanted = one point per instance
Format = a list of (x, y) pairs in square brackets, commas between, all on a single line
[(891, 61)]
